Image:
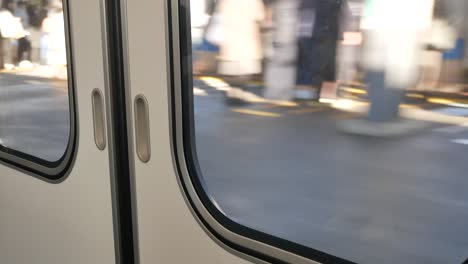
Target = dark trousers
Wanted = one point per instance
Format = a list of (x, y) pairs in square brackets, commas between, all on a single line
[(316, 61), (385, 101), (24, 50)]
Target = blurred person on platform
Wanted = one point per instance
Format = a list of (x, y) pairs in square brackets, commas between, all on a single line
[(394, 41), (24, 44), (53, 27), (396, 34), (22, 13), (37, 11), (11, 29), (280, 73), (241, 50), (319, 31)]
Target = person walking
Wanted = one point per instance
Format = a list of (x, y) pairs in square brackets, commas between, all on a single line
[(280, 77), (53, 26), (241, 44), (393, 65), (319, 30), (24, 44), (10, 29)]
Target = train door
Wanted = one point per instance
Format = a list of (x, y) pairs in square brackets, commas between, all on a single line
[(173, 223), (57, 183)]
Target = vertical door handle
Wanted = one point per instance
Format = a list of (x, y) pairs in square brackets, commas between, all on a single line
[(98, 119), (142, 128)]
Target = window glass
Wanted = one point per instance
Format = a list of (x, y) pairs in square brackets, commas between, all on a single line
[(34, 92), (338, 125)]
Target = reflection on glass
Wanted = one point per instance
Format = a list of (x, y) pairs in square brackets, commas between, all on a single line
[(34, 106), (340, 125)]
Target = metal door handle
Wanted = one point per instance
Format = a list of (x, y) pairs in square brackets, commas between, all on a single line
[(98, 119), (142, 128)]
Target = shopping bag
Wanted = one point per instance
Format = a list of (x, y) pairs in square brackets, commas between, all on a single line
[(442, 36), (10, 26)]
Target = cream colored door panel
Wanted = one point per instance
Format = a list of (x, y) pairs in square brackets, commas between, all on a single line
[(69, 221)]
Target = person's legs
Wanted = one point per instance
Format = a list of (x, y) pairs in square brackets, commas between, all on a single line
[(2, 54), (240, 92), (306, 67), (323, 62), (385, 101), (28, 49), (301, 70), (234, 94), (280, 76), (21, 49)]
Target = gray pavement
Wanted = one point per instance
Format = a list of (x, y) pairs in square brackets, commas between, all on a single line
[(293, 174), (34, 115)]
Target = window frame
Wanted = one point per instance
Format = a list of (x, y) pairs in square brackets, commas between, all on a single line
[(231, 235), (52, 171)]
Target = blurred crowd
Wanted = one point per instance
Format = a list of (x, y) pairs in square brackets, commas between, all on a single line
[(32, 33), (302, 49)]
